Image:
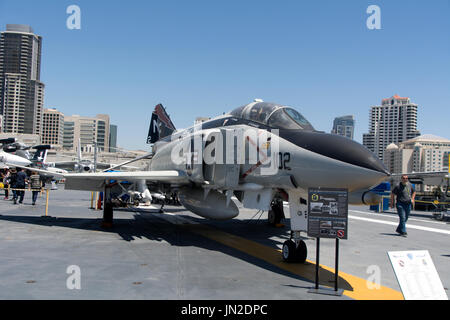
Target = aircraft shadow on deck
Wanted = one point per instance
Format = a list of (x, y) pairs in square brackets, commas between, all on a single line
[(150, 226)]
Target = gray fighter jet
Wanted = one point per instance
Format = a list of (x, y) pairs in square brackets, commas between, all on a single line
[(260, 153)]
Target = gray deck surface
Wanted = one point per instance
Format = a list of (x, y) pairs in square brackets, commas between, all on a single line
[(148, 255)]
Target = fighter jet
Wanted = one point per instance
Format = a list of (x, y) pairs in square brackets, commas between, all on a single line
[(261, 153)]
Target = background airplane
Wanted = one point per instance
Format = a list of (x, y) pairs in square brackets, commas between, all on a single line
[(86, 165)]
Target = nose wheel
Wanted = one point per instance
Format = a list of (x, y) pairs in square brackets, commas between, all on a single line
[(293, 252)]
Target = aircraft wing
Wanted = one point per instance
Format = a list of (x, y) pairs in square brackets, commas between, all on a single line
[(44, 172), (97, 181)]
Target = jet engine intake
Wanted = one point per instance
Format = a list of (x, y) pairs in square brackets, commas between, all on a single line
[(368, 198)]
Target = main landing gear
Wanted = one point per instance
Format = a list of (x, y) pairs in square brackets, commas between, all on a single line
[(294, 251), (276, 213)]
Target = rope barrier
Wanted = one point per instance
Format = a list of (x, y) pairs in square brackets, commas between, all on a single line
[(41, 190)]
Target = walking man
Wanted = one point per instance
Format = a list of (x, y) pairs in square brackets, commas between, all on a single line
[(36, 185), (405, 194), (21, 177)]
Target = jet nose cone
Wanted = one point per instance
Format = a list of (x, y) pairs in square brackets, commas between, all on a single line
[(336, 147)]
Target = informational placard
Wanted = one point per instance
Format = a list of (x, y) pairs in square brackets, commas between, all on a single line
[(328, 213), (417, 275)]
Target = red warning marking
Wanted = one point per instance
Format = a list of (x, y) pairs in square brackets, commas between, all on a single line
[(251, 169), (254, 167)]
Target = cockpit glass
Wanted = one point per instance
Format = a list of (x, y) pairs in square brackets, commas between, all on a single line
[(273, 115), (287, 118), (297, 117), (260, 112), (238, 112)]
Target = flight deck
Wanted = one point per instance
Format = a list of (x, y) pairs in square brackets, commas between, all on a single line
[(177, 255)]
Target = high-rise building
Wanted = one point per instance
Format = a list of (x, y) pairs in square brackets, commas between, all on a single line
[(112, 138), (87, 130), (394, 121), (21, 91), (344, 126), (52, 127)]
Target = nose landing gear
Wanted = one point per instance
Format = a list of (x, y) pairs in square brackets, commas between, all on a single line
[(294, 251)]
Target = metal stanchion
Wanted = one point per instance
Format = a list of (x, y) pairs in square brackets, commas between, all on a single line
[(92, 200), (96, 201), (46, 202)]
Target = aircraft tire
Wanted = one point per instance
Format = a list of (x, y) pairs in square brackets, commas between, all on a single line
[(301, 252), (289, 251)]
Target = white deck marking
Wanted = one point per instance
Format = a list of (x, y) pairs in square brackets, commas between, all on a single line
[(395, 216), (411, 226)]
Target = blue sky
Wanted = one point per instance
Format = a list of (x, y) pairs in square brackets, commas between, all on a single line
[(202, 58)]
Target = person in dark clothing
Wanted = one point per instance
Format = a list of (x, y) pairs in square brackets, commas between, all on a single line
[(21, 177), (12, 182), (35, 181), (405, 194)]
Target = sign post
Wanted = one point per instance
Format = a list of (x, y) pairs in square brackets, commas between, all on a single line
[(327, 218)]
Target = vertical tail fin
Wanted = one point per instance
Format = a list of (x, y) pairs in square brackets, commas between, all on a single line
[(160, 125), (41, 153)]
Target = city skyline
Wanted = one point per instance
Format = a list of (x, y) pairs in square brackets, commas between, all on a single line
[(197, 63)]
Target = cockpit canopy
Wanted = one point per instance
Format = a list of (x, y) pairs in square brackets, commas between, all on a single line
[(273, 115)]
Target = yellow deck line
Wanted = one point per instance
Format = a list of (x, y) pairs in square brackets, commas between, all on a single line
[(354, 287)]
